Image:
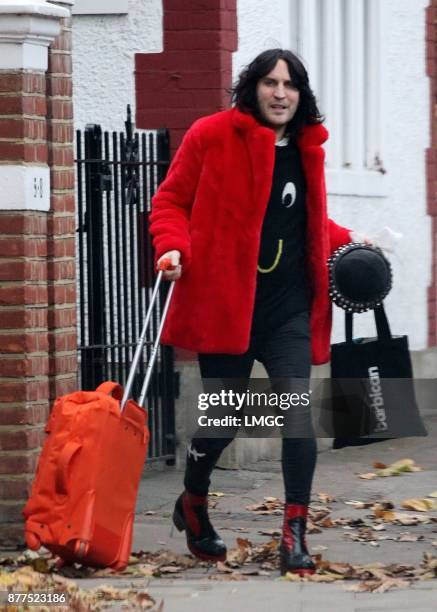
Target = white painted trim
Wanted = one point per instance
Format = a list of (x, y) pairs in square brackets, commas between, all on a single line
[(100, 7), (353, 82), (363, 183), (24, 187), (307, 36), (63, 2), (286, 38), (33, 7), (27, 28), (374, 102)]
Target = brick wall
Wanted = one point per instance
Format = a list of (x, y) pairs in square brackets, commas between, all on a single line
[(61, 225), (191, 77), (37, 285), (431, 163), (193, 74)]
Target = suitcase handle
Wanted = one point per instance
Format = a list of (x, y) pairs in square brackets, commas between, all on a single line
[(65, 458), (165, 264), (111, 388)]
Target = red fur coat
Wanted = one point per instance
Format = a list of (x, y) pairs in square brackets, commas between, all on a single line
[(211, 208)]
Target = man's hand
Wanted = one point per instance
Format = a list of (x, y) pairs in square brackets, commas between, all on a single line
[(175, 258)]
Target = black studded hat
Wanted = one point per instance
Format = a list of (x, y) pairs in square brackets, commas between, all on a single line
[(360, 277)]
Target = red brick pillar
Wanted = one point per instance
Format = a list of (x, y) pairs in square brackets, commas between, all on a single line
[(61, 226), (191, 77), (431, 42), (36, 253)]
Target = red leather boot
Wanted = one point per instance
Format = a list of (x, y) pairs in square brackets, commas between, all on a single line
[(191, 513), (294, 556)]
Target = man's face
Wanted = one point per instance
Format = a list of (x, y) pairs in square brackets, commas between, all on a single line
[(277, 98)]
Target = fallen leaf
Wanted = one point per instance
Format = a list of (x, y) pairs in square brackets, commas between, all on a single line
[(270, 505), (327, 523), (169, 569), (391, 583), (145, 601), (368, 476), (290, 577), (385, 504), (419, 504), (398, 467), (345, 569), (378, 465), (325, 498), (359, 504), (377, 586), (311, 528), (387, 472), (433, 494), (408, 537), (322, 578), (216, 494), (222, 567)]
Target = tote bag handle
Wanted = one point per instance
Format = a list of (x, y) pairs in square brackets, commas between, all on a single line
[(381, 321)]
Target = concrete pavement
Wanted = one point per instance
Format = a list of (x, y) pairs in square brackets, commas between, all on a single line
[(204, 587), (337, 475)]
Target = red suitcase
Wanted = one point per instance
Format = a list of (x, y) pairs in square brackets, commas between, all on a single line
[(82, 503)]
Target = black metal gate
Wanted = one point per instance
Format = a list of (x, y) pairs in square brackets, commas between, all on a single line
[(117, 174)]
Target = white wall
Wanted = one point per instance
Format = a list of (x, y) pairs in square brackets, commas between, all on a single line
[(103, 55), (405, 98)]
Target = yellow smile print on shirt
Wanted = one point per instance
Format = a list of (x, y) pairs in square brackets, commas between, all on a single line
[(288, 199), (276, 261)]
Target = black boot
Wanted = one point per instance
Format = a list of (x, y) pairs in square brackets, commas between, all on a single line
[(191, 513), (294, 556)]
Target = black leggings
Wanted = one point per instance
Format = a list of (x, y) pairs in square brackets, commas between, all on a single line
[(285, 353)]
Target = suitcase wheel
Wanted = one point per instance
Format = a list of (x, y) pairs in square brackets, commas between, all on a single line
[(81, 548), (32, 540)]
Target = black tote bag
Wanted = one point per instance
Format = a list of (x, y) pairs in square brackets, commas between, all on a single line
[(372, 388)]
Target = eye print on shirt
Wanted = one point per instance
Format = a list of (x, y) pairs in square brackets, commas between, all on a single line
[(289, 195), (288, 199)]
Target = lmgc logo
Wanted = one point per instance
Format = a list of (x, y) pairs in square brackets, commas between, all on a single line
[(377, 399)]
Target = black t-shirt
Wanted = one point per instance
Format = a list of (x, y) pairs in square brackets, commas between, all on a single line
[(282, 288)]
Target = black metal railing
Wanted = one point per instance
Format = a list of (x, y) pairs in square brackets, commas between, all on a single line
[(117, 175)]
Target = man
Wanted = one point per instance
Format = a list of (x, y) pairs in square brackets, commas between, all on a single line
[(242, 216)]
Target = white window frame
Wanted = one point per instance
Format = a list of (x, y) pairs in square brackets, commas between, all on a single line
[(355, 150), (100, 7)]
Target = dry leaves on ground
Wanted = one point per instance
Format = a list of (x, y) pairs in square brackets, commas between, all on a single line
[(27, 580), (394, 469), (398, 467), (368, 535), (402, 518), (325, 498), (378, 576), (158, 563), (270, 505)]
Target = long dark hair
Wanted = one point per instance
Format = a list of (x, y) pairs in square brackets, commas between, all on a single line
[(244, 90)]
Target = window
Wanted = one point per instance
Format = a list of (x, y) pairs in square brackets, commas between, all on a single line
[(340, 43)]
